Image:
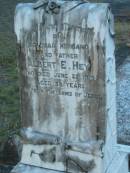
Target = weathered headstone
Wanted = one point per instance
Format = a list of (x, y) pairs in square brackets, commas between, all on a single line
[(67, 73)]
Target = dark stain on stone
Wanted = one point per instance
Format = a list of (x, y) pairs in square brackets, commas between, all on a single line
[(48, 155), (49, 105), (74, 163), (26, 107)]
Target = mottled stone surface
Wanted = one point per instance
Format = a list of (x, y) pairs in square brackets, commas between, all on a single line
[(62, 75), (67, 73)]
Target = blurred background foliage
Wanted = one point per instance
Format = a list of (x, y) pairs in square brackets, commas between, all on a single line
[(9, 80)]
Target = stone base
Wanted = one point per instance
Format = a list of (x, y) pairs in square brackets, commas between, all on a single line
[(73, 160), (22, 168)]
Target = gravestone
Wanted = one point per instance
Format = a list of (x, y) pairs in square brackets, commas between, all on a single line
[(67, 75)]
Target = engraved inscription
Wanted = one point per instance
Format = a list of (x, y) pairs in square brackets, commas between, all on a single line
[(63, 65)]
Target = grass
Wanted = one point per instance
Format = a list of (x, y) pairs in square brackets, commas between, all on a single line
[(9, 83), (122, 30), (9, 101)]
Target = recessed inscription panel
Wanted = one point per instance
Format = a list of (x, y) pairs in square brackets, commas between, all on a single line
[(65, 79)]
